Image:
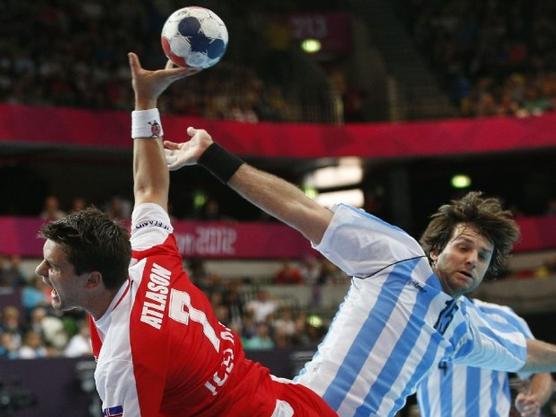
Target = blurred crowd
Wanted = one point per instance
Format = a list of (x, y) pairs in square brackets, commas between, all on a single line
[(546, 269), (30, 328), (75, 55), (494, 57), (118, 208)]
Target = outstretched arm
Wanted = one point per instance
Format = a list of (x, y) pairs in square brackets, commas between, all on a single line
[(150, 176), (282, 200), (270, 193), (529, 403), (541, 357)]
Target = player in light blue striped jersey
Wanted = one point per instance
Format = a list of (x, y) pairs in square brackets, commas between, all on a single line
[(402, 314), (453, 390)]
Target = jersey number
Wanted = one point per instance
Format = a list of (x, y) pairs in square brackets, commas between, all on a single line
[(182, 311)]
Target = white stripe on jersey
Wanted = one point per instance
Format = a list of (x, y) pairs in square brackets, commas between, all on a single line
[(455, 390), (114, 374), (394, 325)]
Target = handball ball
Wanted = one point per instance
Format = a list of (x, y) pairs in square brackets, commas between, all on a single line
[(194, 37)]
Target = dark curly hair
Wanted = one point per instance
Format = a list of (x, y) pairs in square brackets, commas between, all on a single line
[(93, 242), (485, 214)]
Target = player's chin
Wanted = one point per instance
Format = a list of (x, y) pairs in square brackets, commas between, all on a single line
[(461, 287)]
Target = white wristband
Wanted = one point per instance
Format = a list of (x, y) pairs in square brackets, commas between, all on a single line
[(146, 124)]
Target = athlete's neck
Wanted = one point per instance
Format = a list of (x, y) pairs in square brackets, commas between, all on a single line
[(101, 303)]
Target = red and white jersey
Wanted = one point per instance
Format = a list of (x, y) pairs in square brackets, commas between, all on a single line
[(161, 351)]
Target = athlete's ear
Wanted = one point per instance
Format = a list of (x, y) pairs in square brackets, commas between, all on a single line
[(94, 279)]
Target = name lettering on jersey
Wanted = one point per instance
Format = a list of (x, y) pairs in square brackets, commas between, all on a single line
[(417, 284), (153, 310), (153, 223)]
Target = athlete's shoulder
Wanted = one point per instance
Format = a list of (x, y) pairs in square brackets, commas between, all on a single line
[(373, 228), (362, 244)]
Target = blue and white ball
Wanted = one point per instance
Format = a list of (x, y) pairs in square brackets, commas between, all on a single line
[(194, 37)]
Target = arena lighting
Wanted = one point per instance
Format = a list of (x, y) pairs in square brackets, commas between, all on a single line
[(315, 321), (310, 46), (347, 172), (199, 199), (461, 181), (353, 197), (310, 192)]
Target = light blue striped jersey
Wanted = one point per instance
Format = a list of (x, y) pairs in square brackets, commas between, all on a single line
[(454, 390), (395, 323)]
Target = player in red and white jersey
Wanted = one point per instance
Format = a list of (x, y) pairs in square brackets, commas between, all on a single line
[(160, 349)]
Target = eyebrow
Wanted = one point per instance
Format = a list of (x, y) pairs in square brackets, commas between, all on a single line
[(472, 241)]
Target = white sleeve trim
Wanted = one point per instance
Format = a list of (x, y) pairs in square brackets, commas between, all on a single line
[(150, 226)]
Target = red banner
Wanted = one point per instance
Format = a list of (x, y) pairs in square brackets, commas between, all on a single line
[(245, 240), (224, 240), (103, 129)]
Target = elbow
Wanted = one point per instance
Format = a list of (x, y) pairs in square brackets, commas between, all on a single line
[(151, 195)]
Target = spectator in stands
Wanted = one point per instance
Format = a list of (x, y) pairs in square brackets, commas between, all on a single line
[(49, 327), (78, 204), (11, 323), (547, 269), (119, 208), (80, 343), (233, 300), (34, 294), (220, 309), (262, 306), (301, 337), (288, 274), (199, 275), (4, 279), (51, 209), (248, 327), (210, 210), (32, 347), (314, 277), (310, 269), (281, 339), (11, 274), (222, 314), (283, 323), (261, 340), (8, 346)]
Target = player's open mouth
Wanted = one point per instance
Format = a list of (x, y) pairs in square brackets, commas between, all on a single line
[(466, 274)]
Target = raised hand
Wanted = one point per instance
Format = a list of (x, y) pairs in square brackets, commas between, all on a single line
[(149, 85), (179, 155)]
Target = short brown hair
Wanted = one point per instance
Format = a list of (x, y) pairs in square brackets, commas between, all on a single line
[(93, 242), (485, 214)]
